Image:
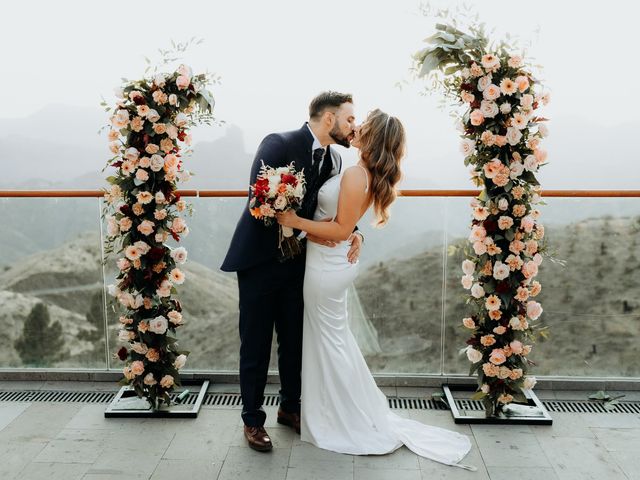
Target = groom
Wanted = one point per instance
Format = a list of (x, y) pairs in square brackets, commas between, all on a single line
[(270, 290)]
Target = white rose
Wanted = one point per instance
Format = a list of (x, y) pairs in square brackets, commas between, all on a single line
[(500, 271), (159, 80), (473, 355), (516, 169), (179, 255), (180, 361), (530, 163), (505, 108), (467, 147), (484, 82), (113, 290), (184, 70), (529, 382), (477, 291), (513, 135), (158, 325), (280, 202), (543, 131), (492, 92), (503, 204), (181, 120), (468, 267), (153, 116), (467, 281)]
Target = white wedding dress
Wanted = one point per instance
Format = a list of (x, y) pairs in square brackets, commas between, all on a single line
[(342, 408)]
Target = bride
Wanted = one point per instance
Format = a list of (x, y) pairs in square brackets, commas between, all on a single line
[(342, 408)]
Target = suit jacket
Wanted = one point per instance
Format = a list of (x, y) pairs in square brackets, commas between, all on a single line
[(253, 242)]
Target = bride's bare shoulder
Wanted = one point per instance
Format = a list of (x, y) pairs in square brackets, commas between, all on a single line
[(355, 176)]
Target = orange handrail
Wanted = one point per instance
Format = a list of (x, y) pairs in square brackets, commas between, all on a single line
[(243, 193)]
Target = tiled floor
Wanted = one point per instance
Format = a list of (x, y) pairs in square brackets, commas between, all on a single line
[(74, 441)]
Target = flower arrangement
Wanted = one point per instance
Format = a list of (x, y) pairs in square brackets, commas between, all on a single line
[(148, 127), (496, 97), (278, 190)]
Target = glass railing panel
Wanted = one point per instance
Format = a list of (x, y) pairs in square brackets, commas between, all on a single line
[(51, 288)]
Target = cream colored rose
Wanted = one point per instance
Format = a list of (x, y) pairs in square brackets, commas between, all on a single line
[(151, 148), (166, 381), (157, 162), (166, 145), (146, 227), (172, 131), (144, 197), (160, 214), (175, 317), (469, 323), (489, 108), (179, 255), (467, 281), (173, 100), (142, 175), (149, 379), (125, 224), (159, 128), (522, 82), (158, 325), (484, 82), (492, 92), (534, 310), (497, 356)]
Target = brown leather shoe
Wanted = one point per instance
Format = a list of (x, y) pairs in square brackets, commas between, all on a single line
[(289, 419), (258, 439)]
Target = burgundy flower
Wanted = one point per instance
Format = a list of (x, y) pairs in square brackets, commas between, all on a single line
[(503, 287), (139, 100), (126, 209), (123, 353), (156, 253), (490, 225)]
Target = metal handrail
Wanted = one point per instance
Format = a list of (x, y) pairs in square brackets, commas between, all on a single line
[(243, 193)]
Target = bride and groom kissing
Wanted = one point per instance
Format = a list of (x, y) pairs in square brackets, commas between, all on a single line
[(327, 394)]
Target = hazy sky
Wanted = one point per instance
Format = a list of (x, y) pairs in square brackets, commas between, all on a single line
[(275, 55)]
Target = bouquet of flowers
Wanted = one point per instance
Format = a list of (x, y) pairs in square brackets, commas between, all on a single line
[(278, 190)]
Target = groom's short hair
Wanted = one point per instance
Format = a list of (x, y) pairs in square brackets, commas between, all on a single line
[(325, 100)]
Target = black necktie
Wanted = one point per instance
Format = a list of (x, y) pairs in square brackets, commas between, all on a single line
[(318, 155)]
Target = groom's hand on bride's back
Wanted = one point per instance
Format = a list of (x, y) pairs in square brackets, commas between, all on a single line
[(356, 245), (321, 241)]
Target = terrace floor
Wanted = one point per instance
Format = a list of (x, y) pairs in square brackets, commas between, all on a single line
[(48, 440)]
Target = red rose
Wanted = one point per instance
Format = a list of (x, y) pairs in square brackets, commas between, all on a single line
[(139, 100), (182, 135)]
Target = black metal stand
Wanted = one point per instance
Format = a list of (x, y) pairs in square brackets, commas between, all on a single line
[(464, 410), (127, 404)]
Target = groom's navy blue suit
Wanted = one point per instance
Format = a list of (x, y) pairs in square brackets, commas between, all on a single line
[(271, 290)]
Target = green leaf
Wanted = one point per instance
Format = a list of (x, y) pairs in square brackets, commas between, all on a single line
[(478, 395)]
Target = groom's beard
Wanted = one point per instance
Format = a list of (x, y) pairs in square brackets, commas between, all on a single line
[(339, 138)]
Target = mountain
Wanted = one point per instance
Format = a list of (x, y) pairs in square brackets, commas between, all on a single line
[(589, 295)]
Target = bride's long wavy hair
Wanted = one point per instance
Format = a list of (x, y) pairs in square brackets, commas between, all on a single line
[(382, 146)]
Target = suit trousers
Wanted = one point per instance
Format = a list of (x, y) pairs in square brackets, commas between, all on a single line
[(270, 297)]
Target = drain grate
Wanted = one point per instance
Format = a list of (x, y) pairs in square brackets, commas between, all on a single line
[(233, 400)]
